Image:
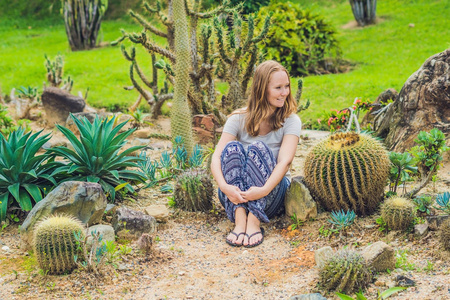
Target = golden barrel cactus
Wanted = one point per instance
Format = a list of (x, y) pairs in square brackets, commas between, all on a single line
[(348, 171), (398, 213)]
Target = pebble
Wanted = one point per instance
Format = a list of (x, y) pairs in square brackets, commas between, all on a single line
[(245, 252), (181, 273), (6, 249)]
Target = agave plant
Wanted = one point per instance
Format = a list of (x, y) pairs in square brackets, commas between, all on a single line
[(23, 174), (443, 200), (342, 219), (96, 156)]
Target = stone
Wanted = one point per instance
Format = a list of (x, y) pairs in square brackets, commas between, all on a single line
[(106, 231), (420, 230), (435, 222), (404, 281), (143, 133), (130, 223), (382, 101), (322, 255), (110, 208), (315, 296), (379, 256), (58, 104), (159, 212), (299, 201), (139, 142), (422, 104), (82, 200)]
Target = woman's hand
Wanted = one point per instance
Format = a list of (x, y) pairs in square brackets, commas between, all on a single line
[(233, 193), (254, 193)]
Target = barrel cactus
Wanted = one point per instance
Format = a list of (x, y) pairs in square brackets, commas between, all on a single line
[(346, 272), (445, 235), (194, 190), (55, 244), (398, 213), (348, 171)]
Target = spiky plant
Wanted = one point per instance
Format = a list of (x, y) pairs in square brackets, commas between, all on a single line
[(348, 171), (194, 190), (445, 235), (23, 174), (97, 155), (55, 244), (346, 272), (398, 213)]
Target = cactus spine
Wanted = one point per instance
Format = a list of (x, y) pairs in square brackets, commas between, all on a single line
[(348, 171), (346, 272), (445, 235), (55, 244), (398, 213), (194, 190)]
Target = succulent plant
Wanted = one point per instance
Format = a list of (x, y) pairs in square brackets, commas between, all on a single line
[(445, 235), (398, 213), (55, 243), (342, 219), (194, 190), (348, 171), (443, 200), (346, 272)]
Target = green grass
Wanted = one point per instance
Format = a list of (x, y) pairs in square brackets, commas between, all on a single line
[(386, 54)]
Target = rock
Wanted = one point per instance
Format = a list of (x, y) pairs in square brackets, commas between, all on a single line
[(382, 100), (59, 103), (110, 208), (143, 133), (159, 212), (315, 296), (82, 200), (420, 230), (139, 142), (6, 249), (422, 104), (106, 231), (131, 223), (435, 222), (379, 256), (322, 255), (404, 281), (298, 201), (56, 142)]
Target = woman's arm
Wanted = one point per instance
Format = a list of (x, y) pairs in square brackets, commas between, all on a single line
[(285, 157), (232, 192)]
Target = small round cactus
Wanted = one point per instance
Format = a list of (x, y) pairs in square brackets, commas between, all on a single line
[(345, 272), (194, 190), (55, 244), (445, 235), (398, 213)]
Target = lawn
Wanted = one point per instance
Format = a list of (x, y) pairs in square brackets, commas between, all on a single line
[(386, 54)]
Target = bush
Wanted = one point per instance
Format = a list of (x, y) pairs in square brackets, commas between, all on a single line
[(298, 39)]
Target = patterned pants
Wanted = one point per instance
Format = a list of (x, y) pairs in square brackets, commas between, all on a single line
[(245, 169)]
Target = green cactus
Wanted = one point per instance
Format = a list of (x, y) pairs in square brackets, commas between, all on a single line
[(398, 213), (194, 190), (348, 171), (298, 95), (445, 235), (345, 272), (55, 244)]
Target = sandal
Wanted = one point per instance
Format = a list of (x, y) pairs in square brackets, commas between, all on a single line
[(237, 237), (253, 234)]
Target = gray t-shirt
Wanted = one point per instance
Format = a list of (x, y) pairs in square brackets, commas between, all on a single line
[(235, 125)]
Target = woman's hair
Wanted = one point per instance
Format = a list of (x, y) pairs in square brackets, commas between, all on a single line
[(258, 106)]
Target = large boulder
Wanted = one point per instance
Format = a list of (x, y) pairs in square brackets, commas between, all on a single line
[(299, 202), (59, 103), (82, 200), (422, 104)]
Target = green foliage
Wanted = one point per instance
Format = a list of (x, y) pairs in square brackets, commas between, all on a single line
[(347, 171), (381, 295), (430, 149), (55, 244), (250, 7), (346, 272), (325, 232), (398, 213), (97, 155), (299, 39), (296, 223), (444, 235), (55, 73), (24, 176), (93, 257), (6, 122), (382, 224), (443, 200), (194, 190), (402, 165), (402, 261), (27, 92), (423, 203), (138, 118), (342, 220)]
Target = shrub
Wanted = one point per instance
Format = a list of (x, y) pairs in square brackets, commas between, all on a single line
[(96, 156), (298, 39), (24, 176), (398, 213)]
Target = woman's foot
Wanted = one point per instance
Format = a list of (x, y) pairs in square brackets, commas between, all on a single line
[(254, 235), (236, 237)]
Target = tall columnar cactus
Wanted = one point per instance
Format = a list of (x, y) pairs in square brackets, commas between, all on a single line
[(55, 244), (348, 171), (398, 213), (346, 271), (364, 11), (193, 190), (445, 235), (83, 19)]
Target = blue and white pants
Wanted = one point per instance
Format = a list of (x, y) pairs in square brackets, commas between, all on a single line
[(245, 169)]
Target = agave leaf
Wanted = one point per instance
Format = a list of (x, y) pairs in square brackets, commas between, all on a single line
[(108, 189), (88, 147), (7, 153), (25, 200), (344, 297), (121, 186), (34, 191), (93, 178), (391, 291), (14, 190), (115, 173), (49, 178), (131, 150), (4, 205), (69, 154), (73, 140)]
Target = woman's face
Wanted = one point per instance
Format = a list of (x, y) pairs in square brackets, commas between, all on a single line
[(278, 89)]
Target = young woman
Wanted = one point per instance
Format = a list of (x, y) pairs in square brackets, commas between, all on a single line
[(251, 161)]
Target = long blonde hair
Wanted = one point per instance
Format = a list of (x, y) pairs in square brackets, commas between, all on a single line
[(258, 106)]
